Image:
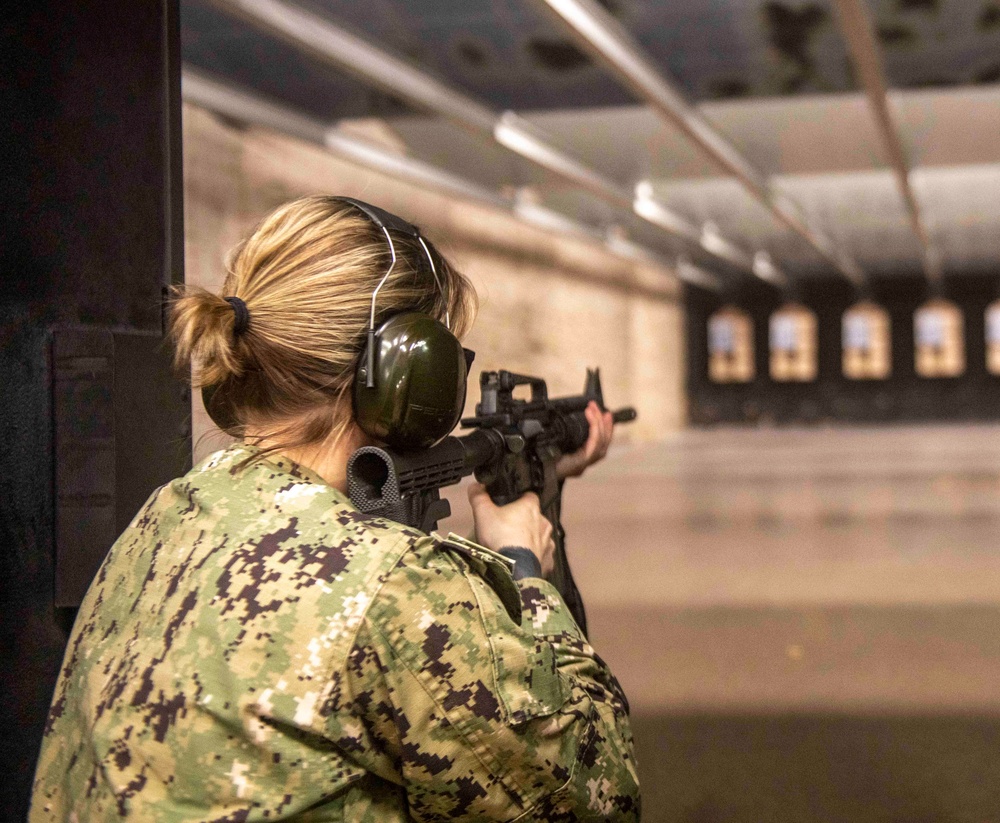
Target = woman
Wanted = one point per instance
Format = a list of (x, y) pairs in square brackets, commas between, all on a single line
[(253, 648)]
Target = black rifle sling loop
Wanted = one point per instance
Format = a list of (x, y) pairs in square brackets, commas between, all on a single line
[(562, 574)]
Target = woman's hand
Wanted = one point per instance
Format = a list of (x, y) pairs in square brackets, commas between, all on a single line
[(601, 431), (520, 523)]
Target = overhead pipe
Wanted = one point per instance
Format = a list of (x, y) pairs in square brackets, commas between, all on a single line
[(517, 135), (602, 36), (239, 104), (222, 98), (398, 77), (858, 31)]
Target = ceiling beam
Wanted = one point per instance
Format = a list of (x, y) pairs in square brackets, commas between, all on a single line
[(858, 31), (602, 36), (321, 38), (222, 98)]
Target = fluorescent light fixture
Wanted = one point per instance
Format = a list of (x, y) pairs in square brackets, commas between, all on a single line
[(708, 237), (546, 218), (203, 91), (407, 168), (623, 247), (653, 211), (602, 35), (617, 239), (714, 243), (690, 273), (644, 189), (765, 269), (318, 36), (520, 137)]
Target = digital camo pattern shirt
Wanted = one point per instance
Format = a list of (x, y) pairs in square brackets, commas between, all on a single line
[(253, 649)]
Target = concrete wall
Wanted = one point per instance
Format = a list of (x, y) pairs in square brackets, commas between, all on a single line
[(548, 306)]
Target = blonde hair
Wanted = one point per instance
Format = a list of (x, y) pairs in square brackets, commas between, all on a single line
[(306, 275)]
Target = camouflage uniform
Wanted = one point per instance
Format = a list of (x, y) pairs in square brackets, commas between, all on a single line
[(253, 648)]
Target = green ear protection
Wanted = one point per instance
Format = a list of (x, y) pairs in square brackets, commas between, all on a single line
[(409, 387), (410, 381)]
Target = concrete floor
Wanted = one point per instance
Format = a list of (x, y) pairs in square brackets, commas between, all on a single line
[(810, 570), (805, 621)]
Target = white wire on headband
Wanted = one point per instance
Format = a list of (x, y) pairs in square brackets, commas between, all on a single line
[(434, 271), (370, 356), (370, 376), (392, 265)]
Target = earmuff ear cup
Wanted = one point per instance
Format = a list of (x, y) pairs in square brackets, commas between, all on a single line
[(218, 408), (420, 383)]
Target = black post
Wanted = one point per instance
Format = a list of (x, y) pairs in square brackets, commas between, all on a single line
[(90, 236)]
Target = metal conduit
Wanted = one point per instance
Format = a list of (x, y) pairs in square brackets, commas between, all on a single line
[(372, 65), (602, 36), (223, 98), (856, 26)]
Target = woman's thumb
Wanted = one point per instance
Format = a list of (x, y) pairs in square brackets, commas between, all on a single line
[(478, 496)]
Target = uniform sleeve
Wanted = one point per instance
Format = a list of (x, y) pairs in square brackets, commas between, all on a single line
[(478, 717)]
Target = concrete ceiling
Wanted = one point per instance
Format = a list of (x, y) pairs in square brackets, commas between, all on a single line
[(773, 77)]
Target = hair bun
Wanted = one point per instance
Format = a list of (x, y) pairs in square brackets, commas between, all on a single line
[(203, 327)]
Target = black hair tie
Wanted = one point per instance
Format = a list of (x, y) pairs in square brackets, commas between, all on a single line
[(242, 315)]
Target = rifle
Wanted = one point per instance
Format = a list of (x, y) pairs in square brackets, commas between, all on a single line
[(514, 449)]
